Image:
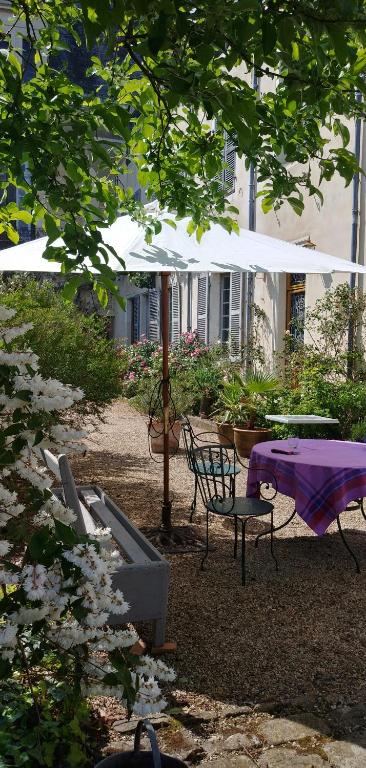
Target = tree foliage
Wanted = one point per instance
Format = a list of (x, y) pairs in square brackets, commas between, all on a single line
[(165, 80), (71, 346)]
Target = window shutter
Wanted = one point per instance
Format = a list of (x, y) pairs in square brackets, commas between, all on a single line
[(202, 308), (174, 324), (143, 315), (230, 160), (153, 315), (236, 287), (135, 319)]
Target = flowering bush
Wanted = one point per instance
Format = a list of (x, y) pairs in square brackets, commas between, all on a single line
[(144, 358), (56, 586), (71, 346)]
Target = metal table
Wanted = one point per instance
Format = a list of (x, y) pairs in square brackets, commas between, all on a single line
[(308, 418)]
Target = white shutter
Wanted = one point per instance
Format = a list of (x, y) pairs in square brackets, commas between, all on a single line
[(154, 315), (230, 160), (174, 301), (202, 308), (143, 315), (236, 291)]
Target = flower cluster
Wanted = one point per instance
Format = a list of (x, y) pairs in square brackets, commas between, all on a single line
[(57, 589), (144, 358)]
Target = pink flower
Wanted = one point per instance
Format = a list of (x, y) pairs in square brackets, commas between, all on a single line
[(131, 376)]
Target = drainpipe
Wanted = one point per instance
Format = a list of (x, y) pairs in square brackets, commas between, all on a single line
[(252, 216), (189, 302), (354, 230)]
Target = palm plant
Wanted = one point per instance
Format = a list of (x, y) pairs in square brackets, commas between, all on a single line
[(241, 400), (254, 391)]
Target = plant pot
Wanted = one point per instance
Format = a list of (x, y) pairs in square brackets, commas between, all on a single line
[(205, 406), (245, 439), (139, 760), (157, 436), (225, 433)]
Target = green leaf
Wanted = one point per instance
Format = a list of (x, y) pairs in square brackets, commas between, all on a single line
[(296, 204), (269, 36), (51, 228), (38, 543)]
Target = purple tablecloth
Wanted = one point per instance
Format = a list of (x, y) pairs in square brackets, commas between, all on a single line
[(323, 476)]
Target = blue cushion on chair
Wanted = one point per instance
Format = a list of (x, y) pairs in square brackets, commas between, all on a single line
[(215, 469)]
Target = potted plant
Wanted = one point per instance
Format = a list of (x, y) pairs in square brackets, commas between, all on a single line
[(149, 401), (228, 410), (207, 381), (250, 426)]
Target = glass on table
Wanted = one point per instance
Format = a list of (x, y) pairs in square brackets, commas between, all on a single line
[(293, 444)]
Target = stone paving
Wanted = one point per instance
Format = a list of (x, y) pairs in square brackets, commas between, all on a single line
[(245, 737)]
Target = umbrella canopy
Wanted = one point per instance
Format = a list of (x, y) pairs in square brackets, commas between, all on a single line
[(174, 250)]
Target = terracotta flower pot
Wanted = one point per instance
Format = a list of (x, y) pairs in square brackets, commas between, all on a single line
[(157, 437), (245, 439), (225, 433)]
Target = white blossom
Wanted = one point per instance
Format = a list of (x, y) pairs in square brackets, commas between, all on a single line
[(6, 313), (5, 547), (9, 334)]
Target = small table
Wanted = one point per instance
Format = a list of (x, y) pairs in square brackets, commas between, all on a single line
[(303, 418), (323, 477)]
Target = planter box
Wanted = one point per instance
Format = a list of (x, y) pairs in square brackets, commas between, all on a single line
[(245, 439)]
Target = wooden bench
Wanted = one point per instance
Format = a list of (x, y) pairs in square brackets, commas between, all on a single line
[(143, 577)]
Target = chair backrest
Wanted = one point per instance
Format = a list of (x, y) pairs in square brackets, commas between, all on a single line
[(214, 468), (188, 439), (60, 467)]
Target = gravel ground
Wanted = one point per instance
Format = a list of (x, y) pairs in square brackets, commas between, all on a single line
[(293, 636)]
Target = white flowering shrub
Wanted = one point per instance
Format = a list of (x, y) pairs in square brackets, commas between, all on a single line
[(56, 649)]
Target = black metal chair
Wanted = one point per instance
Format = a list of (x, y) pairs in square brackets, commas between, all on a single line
[(214, 467), (192, 440)]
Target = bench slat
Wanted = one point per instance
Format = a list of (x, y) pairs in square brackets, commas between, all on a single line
[(124, 538)]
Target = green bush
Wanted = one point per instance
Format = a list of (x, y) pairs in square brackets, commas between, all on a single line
[(71, 346), (358, 432), (183, 397)]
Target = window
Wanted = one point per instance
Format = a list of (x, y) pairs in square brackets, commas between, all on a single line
[(231, 311), (225, 308), (295, 299), (295, 306)]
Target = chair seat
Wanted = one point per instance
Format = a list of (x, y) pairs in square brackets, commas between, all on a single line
[(242, 506), (216, 469)]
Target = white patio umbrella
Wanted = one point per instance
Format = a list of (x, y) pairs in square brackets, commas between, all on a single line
[(173, 250)]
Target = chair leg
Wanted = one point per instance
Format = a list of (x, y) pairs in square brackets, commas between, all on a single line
[(362, 509), (235, 536), (272, 552), (194, 502), (278, 528), (243, 531), (345, 542), (159, 631), (206, 551)]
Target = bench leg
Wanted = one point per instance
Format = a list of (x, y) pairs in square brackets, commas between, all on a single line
[(159, 631)]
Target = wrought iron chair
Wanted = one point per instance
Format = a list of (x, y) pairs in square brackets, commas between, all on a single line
[(192, 440), (214, 470)]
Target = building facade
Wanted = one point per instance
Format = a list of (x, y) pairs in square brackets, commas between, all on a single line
[(217, 305)]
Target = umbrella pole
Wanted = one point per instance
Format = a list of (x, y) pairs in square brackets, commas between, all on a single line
[(166, 519)]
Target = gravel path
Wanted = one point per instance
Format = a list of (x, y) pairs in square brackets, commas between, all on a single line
[(292, 636)]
